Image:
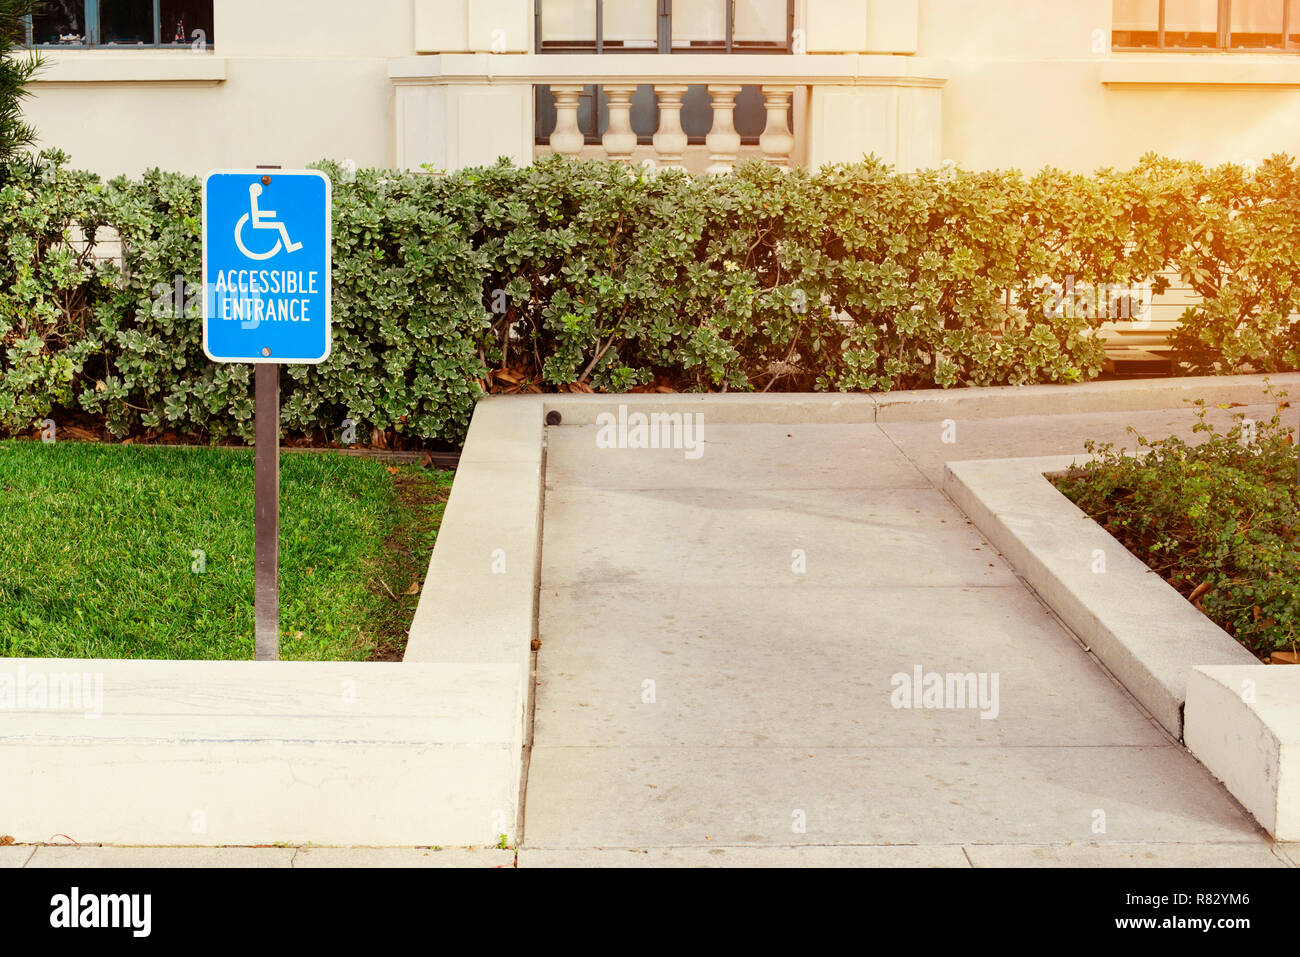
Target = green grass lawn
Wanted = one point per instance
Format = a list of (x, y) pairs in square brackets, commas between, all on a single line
[(147, 552)]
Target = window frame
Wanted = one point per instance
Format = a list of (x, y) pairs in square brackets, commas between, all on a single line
[(1223, 33), (92, 40), (593, 95), (664, 34)]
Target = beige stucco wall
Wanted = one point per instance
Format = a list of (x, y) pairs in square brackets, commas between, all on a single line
[(1027, 90), (295, 81), (292, 81)]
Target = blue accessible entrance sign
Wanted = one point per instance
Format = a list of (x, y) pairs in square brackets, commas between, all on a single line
[(266, 266), (266, 300)]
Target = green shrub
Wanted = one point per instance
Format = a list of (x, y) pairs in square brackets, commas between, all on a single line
[(406, 321), (946, 274), (55, 297), (851, 278), (1238, 250), (605, 275), (566, 275), (1218, 520)]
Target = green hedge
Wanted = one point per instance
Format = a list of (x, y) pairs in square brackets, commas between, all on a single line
[(598, 275)]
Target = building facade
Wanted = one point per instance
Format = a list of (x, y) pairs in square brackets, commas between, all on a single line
[(192, 85)]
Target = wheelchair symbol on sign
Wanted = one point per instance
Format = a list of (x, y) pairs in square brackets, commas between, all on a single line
[(262, 219)]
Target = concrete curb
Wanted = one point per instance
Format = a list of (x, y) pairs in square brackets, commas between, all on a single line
[(1136, 623), (1244, 725), (831, 408), (1123, 396), (479, 603), (214, 752), (250, 752), (724, 408)]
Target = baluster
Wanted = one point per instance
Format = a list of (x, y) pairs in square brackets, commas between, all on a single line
[(567, 138), (777, 142), (619, 139), (670, 141), (723, 141)]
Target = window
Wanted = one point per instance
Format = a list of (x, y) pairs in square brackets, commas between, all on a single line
[(662, 26), (1260, 26), (590, 26), (122, 23), (731, 26)]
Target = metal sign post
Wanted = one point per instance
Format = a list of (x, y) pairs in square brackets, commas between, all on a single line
[(267, 298), (266, 513)]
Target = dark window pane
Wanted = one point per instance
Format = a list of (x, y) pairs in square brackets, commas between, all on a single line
[(545, 108), (125, 22), (60, 21), (751, 114), (181, 18), (587, 114), (1130, 39), (645, 112), (750, 117), (697, 113)]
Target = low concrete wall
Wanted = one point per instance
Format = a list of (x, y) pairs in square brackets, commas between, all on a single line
[(426, 752), (1120, 396), (833, 408), (479, 603), (1239, 718), (734, 408), (1135, 622), (1244, 725), (243, 752)]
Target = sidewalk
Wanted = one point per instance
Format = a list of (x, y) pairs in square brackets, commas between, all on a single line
[(1242, 854), (696, 691)]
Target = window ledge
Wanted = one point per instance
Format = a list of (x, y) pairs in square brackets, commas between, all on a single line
[(160, 66), (1277, 71), (838, 69)]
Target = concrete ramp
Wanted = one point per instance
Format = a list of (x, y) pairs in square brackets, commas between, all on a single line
[(793, 638)]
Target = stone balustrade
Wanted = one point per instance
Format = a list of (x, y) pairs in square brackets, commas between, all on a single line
[(456, 110), (670, 141)]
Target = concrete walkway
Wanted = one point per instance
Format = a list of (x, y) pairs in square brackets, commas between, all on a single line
[(719, 640), (1242, 854)]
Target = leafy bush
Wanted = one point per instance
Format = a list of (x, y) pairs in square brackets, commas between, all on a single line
[(850, 278), (407, 316), (1218, 520), (54, 295), (602, 276), (605, 275), (945, 275), (1239, 239)]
